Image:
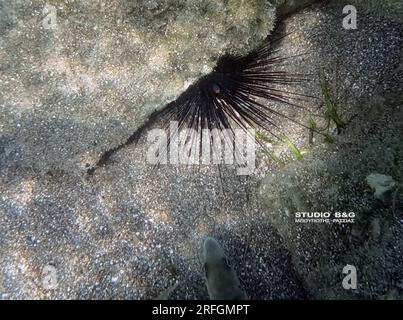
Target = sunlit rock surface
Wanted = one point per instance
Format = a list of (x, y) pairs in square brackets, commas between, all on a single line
[(78, 77)]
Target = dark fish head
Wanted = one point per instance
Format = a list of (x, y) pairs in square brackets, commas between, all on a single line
[(221, 279)]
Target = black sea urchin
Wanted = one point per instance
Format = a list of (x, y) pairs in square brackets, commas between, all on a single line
[(236, 95)]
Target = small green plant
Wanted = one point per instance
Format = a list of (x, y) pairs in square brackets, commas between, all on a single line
[(265, 139), (331, 107), (331, 114), (313, 127), (298, 154)]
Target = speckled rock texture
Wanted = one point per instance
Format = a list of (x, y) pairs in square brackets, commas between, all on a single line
[(366, 79), (79, 77), (130, 230), (288, 7)]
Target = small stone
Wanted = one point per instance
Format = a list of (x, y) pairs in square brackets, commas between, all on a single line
[(383, 186)]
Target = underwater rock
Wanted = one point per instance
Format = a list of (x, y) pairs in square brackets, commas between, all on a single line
[(287, 7), (330, 177), (78, 78), (383, 186)]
